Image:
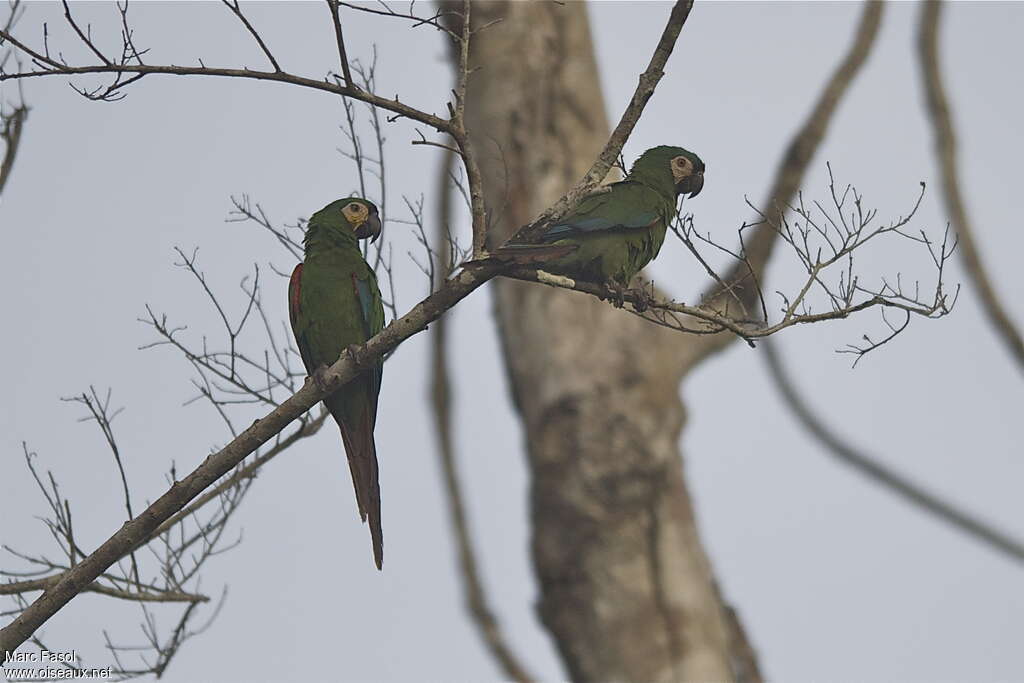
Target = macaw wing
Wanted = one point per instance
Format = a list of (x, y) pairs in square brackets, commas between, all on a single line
[(358, 434), (372, 310), (297, 319), (616, 209)]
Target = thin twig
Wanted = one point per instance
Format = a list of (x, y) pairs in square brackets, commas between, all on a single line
[(134, 596), (711, 321), (248, 472), (340, 38), (417, 20), (237, 11), (51, 67), (790, 173), (222, 462)]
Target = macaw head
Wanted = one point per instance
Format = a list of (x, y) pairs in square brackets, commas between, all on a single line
[(681, 167), (354, 214)]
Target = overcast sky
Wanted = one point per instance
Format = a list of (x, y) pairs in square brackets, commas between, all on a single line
[(834, 579)]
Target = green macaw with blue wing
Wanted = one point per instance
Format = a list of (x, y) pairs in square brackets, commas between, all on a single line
[(612, 234), (333, 303)]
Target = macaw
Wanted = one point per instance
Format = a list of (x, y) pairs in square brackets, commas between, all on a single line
[(333, 303), (616, 231)]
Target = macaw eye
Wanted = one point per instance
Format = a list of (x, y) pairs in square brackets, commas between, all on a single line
[(355, 207)]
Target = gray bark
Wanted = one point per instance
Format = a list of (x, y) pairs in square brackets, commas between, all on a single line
[(627, 591)]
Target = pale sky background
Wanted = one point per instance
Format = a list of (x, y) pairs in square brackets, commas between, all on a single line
[(833, 578)]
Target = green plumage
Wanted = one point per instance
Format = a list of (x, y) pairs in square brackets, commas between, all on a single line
[(614, 233), (334, 302)]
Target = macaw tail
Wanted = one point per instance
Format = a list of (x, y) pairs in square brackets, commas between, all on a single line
[(524, 254), (362, 461)]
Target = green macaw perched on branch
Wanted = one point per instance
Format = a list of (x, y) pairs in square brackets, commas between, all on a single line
[(615, 232), (333, 303)]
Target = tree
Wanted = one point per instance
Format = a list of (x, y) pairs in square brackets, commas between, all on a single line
[(562, 598)]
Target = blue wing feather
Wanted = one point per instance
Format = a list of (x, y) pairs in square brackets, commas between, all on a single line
[(598, 223), (604, 211), (368, 306)]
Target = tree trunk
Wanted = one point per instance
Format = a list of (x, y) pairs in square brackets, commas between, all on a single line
[(627, 591)]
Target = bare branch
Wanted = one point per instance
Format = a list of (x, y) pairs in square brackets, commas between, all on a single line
[(824, 241), (946, 153), (50, 581), (340, 38), (609, 155), (435, 20), (86, 39), (706, 320), (236, 10), (882, 475), (132, 533), (791, 170), (99, 412), (48, 66), (308, 428)]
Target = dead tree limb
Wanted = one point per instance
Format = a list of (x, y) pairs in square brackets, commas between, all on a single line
[(946, 155), (744, 279), (880, 474)]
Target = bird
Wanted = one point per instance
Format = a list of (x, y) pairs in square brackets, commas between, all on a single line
[(333, 303), (617, 230)]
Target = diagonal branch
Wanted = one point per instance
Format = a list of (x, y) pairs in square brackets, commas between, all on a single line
[(645, 88), (882, 475), (340, 39), (946, 152), (248, 472), (135, 531), (237, 11)]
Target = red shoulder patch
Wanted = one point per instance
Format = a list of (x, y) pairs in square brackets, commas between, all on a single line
[(295, 294)]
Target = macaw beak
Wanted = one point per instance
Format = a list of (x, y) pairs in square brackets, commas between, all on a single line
[(694, 184), (370, 228)]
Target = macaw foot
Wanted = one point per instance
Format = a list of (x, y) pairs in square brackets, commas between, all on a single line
[(618, 293), (353, 351), (321, 380), (642, 299)]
